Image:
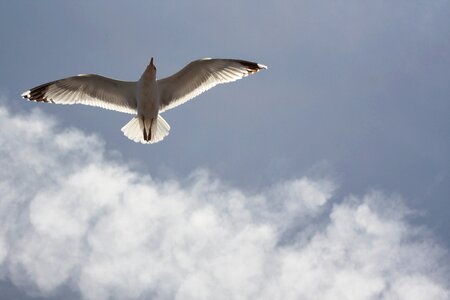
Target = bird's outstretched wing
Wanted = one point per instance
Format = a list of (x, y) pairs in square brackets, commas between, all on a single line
[(90, 89), (199, 76)]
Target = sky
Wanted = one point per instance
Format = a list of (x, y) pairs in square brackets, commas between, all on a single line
[(324, 177)]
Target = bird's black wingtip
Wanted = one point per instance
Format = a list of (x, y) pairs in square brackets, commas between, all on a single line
[(37, 94), (252, 67)]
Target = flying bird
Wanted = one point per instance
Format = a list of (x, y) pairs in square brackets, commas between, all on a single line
[(146, 98)]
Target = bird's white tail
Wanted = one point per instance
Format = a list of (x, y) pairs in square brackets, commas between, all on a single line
[(146, 131)]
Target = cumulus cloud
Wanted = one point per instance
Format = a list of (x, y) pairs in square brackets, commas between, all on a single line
[(70, 216)]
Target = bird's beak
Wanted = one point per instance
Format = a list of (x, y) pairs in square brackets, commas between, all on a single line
[(151, 62)]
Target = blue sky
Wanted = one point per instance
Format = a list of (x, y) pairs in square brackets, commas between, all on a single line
[(351, 118)]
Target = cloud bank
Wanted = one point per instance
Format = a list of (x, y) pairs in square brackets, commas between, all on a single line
[(72, 216)]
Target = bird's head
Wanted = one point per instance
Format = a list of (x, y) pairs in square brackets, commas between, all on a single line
[(151, 63), (151, 69)]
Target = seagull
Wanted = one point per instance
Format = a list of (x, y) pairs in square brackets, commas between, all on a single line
[(146, 98)]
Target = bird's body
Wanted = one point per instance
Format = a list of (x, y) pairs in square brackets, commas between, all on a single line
[(147, 97), (147, 100), (147, 93)]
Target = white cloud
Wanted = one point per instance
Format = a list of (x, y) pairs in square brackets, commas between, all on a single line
[(69, 216)]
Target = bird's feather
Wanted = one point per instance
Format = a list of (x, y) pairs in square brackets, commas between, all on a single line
[(90, 89), (199, 76)]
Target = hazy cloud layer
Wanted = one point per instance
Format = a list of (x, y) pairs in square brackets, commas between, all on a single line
[(72, 216)]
